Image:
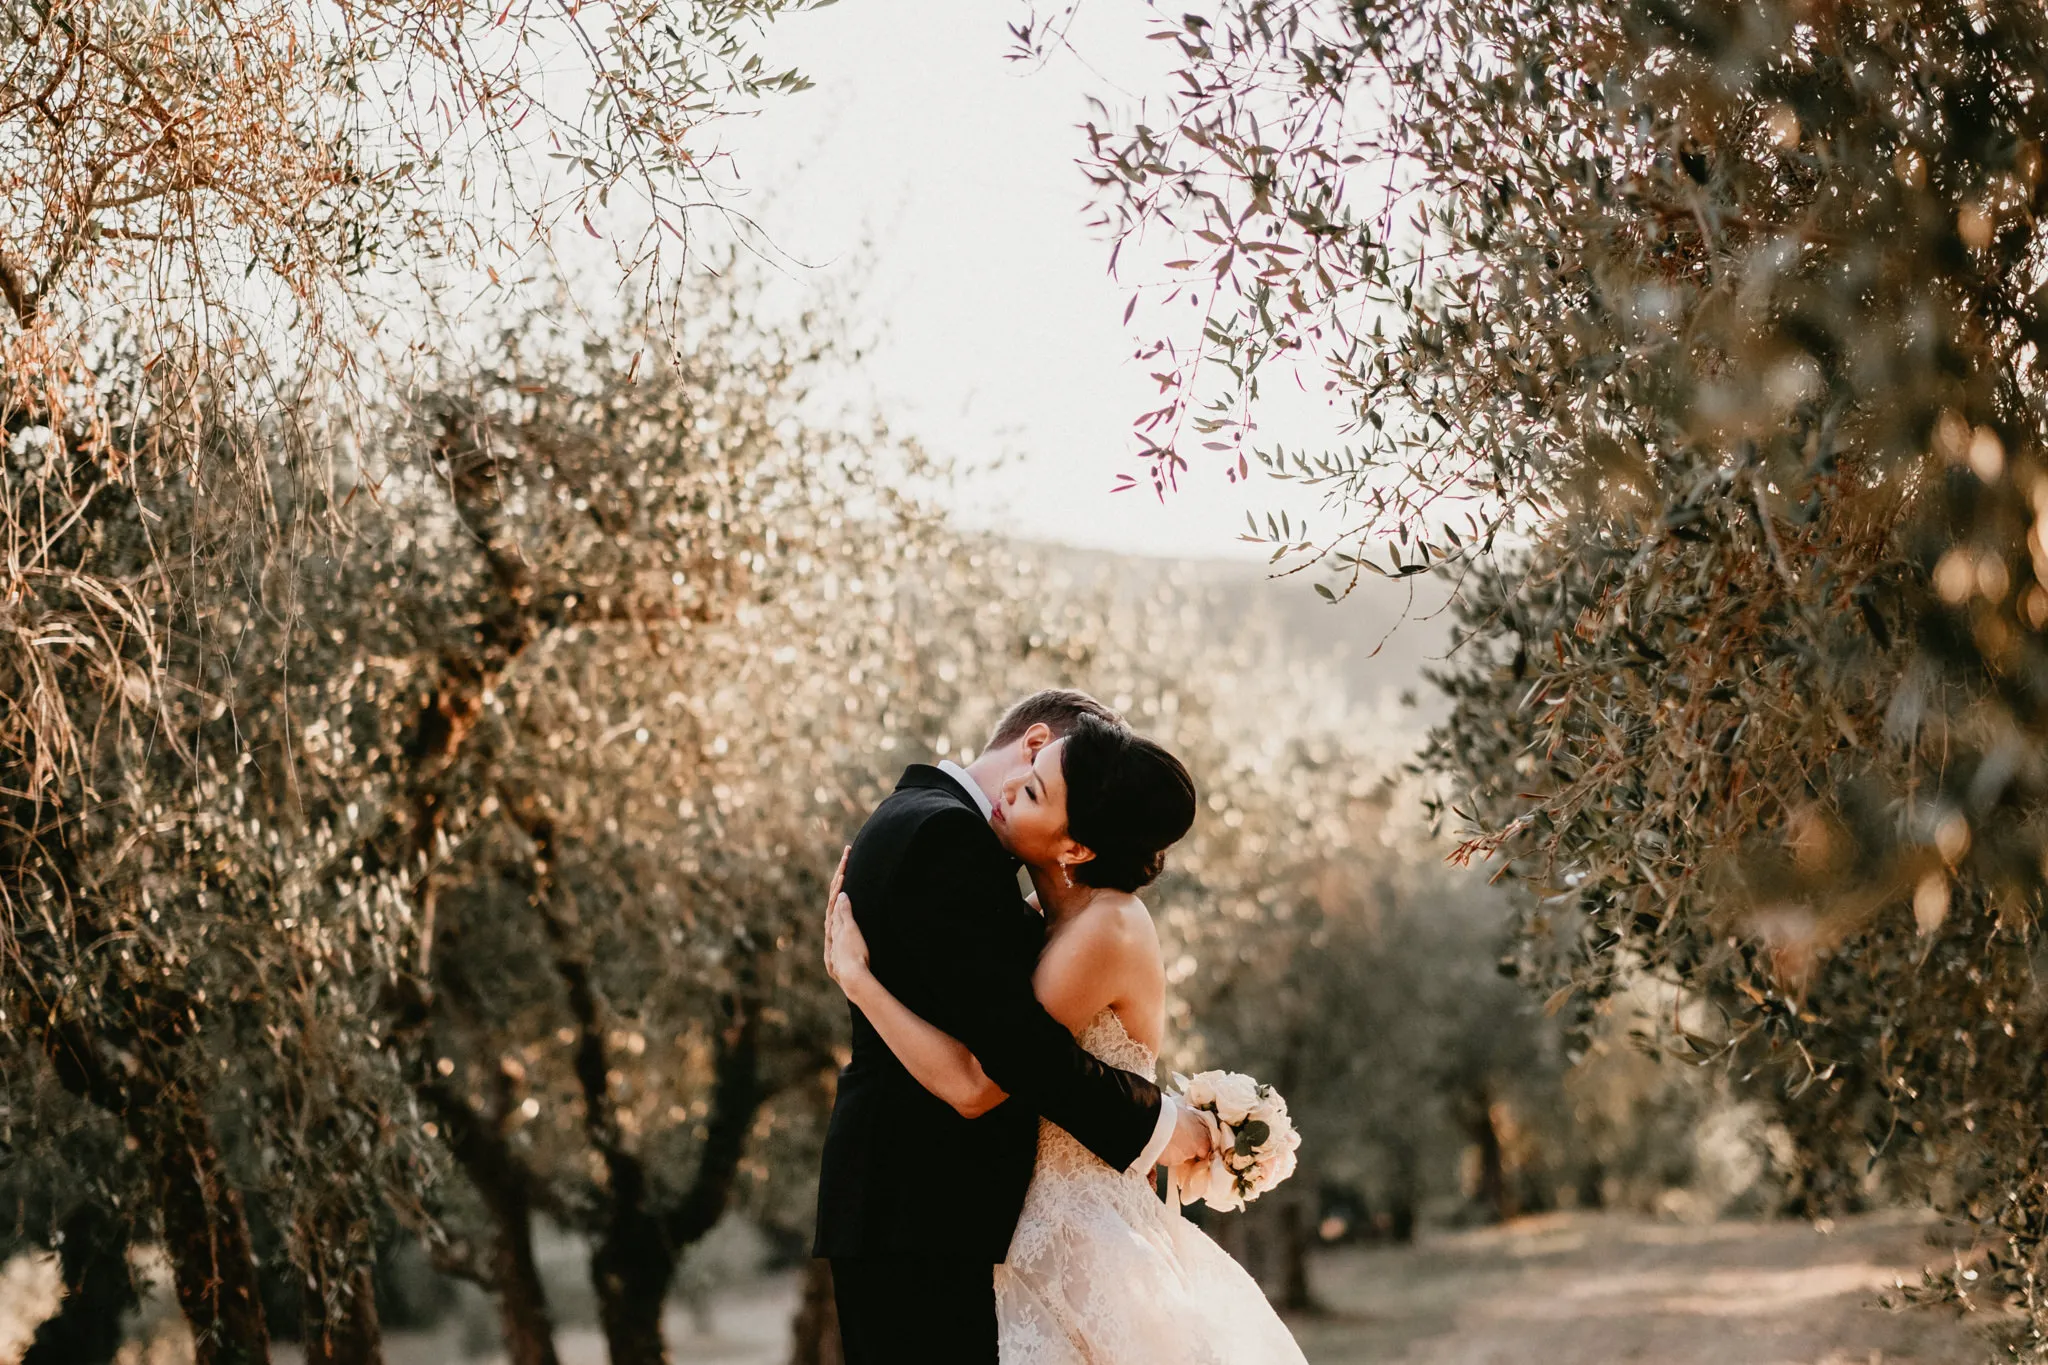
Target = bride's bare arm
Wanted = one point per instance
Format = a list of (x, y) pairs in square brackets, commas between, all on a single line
[(938, 1061)]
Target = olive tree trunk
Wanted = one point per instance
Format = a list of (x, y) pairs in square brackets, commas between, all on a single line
[(206, 1236), (86, 1329), (348, 1332), (816, 1329)]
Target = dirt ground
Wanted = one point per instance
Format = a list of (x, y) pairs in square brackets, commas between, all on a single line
[(1567, 1289), (1580, 1289)]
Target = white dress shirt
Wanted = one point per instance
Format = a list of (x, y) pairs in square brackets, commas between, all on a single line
[(1163, 1132), (959, 774)]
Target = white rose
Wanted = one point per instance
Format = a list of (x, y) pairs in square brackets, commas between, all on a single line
[(1221, 1193), (1281, 1161), (1200, 1091), (1235, 1096)]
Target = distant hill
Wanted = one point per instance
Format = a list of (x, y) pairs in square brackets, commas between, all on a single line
[(1381, 638)]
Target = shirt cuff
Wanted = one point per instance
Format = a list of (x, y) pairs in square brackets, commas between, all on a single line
[(1169, 1114)]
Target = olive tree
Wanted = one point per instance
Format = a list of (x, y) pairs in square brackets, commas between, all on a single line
[(529, 752), (220, 224), (1700, 342)]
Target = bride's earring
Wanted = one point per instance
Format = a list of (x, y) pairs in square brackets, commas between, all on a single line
[(1067, 876)]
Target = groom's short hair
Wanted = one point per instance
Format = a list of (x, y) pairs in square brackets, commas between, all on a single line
[(1059, 709)]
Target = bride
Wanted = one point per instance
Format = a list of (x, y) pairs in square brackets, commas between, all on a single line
[(1100, 1271)]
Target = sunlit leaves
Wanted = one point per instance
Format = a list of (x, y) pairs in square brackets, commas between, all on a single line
[(1729, 316)]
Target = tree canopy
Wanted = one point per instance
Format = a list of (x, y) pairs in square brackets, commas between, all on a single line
[(1701, 343)]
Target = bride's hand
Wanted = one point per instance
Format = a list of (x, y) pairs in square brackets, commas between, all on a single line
[(846, 950)]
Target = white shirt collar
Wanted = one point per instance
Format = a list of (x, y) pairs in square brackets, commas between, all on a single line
[(960, 775)]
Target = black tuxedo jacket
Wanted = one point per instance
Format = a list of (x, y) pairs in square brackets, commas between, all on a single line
[(903, 1173)]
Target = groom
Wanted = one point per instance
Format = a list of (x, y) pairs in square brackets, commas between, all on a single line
[(916, 1204)]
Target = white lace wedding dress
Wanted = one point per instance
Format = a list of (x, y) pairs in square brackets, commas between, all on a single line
[(1101, 1272)]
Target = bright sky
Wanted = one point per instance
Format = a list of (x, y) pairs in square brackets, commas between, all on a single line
[(944, 175)]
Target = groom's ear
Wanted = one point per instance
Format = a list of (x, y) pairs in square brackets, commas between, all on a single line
[(1036, 737)]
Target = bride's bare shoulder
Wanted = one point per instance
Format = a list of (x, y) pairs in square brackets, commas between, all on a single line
[(1122, 917)]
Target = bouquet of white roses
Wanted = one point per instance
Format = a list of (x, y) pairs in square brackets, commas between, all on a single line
[(1255, 1146)]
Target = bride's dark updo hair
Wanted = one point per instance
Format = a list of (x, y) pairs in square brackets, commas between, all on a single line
[(1128, 800)]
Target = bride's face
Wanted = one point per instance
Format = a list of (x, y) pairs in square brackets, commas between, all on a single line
[(1030, 814)]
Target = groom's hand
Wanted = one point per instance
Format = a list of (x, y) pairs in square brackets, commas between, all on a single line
[(1194, 1138)]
